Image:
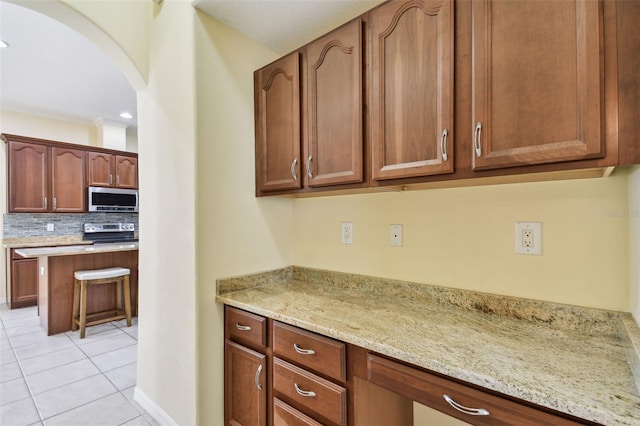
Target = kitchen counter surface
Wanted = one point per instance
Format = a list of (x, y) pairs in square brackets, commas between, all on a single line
[(44, 241), (76, 249), (575, 360)]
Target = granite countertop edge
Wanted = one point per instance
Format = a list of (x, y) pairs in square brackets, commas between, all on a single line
[(626, 329)]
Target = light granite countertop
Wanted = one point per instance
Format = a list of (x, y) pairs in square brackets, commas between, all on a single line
[(76, 249), (44, 241), (575, 360)]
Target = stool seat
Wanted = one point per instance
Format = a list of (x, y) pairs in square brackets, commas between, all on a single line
[(98, 274), (84, 280)]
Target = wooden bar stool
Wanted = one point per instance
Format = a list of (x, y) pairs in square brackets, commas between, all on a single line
[(84, 279)]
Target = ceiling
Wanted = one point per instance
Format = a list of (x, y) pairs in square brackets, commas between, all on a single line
[(284, 25), (51, 70)]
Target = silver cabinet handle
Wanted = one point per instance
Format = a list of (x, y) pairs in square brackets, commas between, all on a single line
[(55, 203), (466, 410), (476, 139), (303, 392), (110, 179), (118, 180), (303, 351), (243, 327), (257, 378), (309, 172), (293, 169), (443, 144), (45, 203)]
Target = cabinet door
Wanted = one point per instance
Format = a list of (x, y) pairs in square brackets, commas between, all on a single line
[(28, 178), (412, 89), (126, 172), (334, 68), (67, 180), (278, 125), (537, 89), (24, 283), (245, 386), (100, 169)]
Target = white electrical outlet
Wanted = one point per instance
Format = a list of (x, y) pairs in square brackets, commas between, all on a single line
[(50, 227), (395, 235), (529, 238), (346, 233)]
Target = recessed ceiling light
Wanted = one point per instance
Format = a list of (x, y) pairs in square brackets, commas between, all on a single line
[(126, 115), (3, 44)]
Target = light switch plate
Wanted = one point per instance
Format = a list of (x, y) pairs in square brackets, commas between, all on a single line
[(529, 238)]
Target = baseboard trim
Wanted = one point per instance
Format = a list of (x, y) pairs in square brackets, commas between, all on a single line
[(152, 408)]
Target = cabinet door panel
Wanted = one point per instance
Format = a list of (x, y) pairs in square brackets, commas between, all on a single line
[(412, 89), (537, 90), (278, 125), (67, 180), (335, 152), (245, 402), (28, 178), (126, 172), (100, 169), (24, 283)]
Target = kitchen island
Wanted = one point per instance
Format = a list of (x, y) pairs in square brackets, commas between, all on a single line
[(56, 266), (575, 361)]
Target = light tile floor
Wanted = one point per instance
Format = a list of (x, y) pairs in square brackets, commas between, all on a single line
[(65, 380)]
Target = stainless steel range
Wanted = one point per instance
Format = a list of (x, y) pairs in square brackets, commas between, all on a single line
[(109, 232)]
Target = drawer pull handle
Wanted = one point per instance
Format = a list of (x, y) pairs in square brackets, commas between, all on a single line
[(303, 351), (303, 392), (257, 379), (243, 327), (466, 410)]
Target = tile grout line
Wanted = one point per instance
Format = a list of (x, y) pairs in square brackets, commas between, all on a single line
[(24, 377), (87, 356)]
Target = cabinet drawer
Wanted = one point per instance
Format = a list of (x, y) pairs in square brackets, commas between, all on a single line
[(286, 415), (245, 327), (310, 391), (320, 354), (430, 390)]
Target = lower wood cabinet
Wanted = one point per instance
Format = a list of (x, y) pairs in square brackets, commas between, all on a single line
[(293, 377), (23, 282), (245, 391)]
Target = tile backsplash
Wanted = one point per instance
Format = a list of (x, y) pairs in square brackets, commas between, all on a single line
[(20, 225)]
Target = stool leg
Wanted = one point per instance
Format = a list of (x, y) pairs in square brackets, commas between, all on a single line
[(127, 300), (119, 284), (83, 307), (76, 305)]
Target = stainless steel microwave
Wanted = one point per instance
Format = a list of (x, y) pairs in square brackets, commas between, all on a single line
[(112, 200)]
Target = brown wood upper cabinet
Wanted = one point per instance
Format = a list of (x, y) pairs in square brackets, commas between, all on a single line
[(109, 170), (412, 88), (277, 91), (45, 179), (334, 150), (537, 82)]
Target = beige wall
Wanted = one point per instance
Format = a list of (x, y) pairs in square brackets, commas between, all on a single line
[(167, 371), (237, 233), (633, 214), (464, 238)]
